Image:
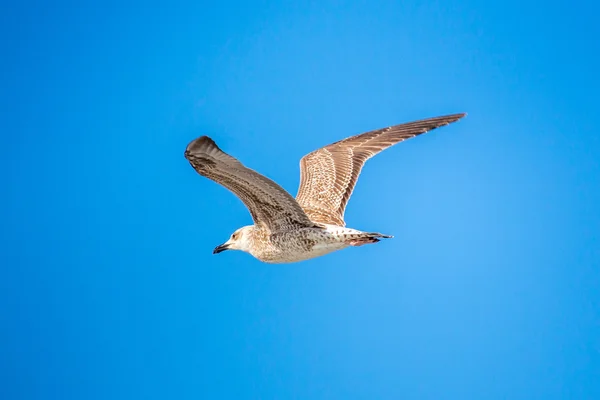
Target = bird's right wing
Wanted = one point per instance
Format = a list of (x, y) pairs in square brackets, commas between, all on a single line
[(269, 204), (328, 175)]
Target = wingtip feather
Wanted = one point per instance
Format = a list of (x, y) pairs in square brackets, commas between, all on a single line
[(451, 117), (200, 145)]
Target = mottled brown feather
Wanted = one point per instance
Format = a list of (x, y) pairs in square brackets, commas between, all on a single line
[(271, 207), (328, 175)]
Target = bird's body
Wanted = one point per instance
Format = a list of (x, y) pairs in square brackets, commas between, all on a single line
[(289, 230), (305, 243)]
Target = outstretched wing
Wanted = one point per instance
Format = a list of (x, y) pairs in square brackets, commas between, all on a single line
[(269, 204), (328, 175)]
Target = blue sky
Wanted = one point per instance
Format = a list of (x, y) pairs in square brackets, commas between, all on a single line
[(490, 289)]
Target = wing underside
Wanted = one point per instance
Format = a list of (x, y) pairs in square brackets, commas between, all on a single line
[(328, 175)]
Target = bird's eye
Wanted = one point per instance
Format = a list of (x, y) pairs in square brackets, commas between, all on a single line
[(235, 236)]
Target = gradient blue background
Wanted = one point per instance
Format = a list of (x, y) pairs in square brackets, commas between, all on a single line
[(109, 290)]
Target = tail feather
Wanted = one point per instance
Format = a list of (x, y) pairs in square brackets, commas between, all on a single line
[(366, 238), (375, 235)]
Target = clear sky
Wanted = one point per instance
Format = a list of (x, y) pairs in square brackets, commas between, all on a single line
[(489, 290)]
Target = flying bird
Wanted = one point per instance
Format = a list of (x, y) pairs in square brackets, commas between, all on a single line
[(289, 230)]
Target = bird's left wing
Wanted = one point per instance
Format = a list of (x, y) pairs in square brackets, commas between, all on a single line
[(269, 204)]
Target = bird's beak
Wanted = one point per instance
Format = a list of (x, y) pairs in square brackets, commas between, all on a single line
[(220, 248)]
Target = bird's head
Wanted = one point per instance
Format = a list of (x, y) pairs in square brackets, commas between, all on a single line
[(239, 240)]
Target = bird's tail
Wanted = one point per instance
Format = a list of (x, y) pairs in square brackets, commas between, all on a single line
[(377, 235), (366, 238)]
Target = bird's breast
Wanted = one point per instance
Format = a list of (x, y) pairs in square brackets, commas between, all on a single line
[(299, 245)]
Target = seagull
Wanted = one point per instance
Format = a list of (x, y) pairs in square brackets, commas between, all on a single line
[(288, 230)]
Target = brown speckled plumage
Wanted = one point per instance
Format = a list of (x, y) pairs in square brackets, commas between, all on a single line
[(328, 175), (269, 204), (287, 229)]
